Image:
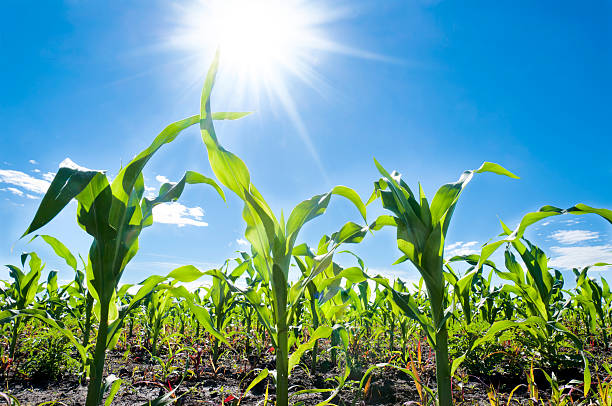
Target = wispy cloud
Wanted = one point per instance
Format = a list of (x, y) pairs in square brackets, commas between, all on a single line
[(162, 179), (176, 213), (242, 241), (49, 176), (150, 192), (23, 181), (13, 190), (33, 162), (574, 236), (578, 257), (461, 248)]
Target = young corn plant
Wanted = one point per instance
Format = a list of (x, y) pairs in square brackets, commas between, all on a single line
[(538, 287), (590, 297), (272, 241), (323, 292), (223, 301), (421, 234), (79, 303), (158, 304), (23, 291), (114, 214)]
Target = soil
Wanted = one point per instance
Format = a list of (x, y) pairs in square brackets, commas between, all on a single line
[(144, 380)]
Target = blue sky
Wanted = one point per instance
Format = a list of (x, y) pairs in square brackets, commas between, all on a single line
[(520, 83)]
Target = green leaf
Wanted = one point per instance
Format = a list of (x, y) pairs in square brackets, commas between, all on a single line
[(586, 374), (8, 315), (260, 376), (321, 332), (69, 181), (186, 273), (406, 302), (502, 325), (60, 249), (456, 364), (192, 178), (123, 184), (304, 212), (199, 312), (230, 115), (351, 195), (533, 217), (495, 168), (114, 383)]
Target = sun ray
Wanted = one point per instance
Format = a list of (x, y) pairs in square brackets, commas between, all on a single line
[(263, 44)]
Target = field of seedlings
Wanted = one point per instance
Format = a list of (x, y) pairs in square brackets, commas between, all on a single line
[(470, 332)]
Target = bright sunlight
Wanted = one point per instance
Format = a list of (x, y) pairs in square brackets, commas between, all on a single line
[(260, 41), (263, 43), (258, 37)]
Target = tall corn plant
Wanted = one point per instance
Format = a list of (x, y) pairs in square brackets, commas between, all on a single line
[(114, 214), (272, 241), (421, 234)]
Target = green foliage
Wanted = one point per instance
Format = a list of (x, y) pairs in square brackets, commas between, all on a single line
[(47, 356), (421, 234), (272, 241), (114, 214), (337, 314)]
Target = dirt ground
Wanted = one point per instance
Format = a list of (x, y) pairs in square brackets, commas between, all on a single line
[(144, 380)]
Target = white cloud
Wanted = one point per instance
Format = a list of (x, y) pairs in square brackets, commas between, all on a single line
[(162, 179), (461, 248), (33, 162), (49, 176), (176, 213), (150, 192), (29, 196), (36, 170), (544, 224), (574, 236), (13, 190), (242, 241), (24, 181), (578, 257)]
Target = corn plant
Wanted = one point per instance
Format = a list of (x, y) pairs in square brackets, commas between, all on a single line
[(78, 302), (421, 233), (539, 286), (23, 291), (539, 290), (223, 301), (114, 214), (405, 324), (590, 297), (158, 304), (272, 241)]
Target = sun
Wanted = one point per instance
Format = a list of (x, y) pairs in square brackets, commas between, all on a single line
[(261, 42), (259, 36)]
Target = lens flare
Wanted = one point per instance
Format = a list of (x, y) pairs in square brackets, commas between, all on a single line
[(262, 43)]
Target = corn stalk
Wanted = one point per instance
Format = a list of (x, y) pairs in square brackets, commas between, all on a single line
[(421, 234)]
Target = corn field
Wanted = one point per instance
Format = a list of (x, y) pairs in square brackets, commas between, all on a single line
[(471, 331)]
